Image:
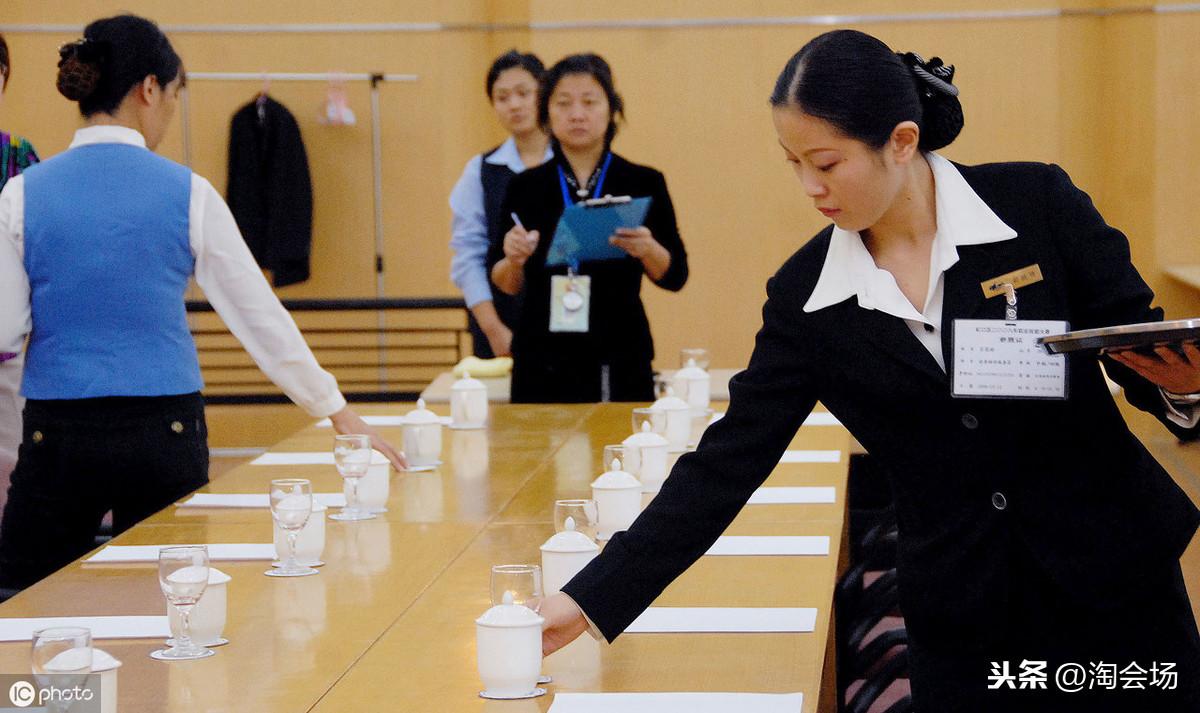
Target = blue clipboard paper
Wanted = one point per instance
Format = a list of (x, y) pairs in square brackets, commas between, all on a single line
[(583, 231)]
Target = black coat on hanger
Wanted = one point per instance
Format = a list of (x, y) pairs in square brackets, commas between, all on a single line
[(270, 190)]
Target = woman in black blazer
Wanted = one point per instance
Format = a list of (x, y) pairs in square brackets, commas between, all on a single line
[(610, 361), (1030, 530)]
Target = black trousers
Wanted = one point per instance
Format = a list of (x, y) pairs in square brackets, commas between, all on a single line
[(80, 459), (1041, 623)]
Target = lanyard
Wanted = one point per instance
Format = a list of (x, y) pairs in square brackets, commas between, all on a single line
[(562, 181)]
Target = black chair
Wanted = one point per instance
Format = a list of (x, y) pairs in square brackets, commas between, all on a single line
[(887, 687)]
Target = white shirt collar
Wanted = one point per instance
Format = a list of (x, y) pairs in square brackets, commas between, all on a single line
[(107, 134), (508, 155), (962, 219)]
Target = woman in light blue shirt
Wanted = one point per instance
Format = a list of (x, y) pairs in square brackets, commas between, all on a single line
[(512, 88)]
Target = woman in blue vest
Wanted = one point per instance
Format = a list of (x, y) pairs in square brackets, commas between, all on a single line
[(16, 155), (512, 89), (96, 248)]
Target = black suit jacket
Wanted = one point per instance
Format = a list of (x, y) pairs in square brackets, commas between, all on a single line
[(1084, 496), (270, 191)]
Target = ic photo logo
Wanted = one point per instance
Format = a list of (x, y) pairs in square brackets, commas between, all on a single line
[(22, 694)]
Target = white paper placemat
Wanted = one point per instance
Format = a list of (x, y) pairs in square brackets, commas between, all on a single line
[(816, 418), (804, 495), (811, 457), (821, 418), (724, 620), (740, 545), (317, 458), (102, 627), (253, 500), (149, 553), (677, 702), (383, 421)]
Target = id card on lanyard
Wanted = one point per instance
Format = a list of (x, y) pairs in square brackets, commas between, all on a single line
[(571, 294), (1000, 358)]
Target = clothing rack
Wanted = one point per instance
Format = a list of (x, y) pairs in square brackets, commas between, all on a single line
[(375, 79)]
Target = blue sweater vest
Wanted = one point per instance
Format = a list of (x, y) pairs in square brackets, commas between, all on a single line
[(108, 257)]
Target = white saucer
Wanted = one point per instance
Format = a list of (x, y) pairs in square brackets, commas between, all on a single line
[(457, 427), (534, 694), (219, 642), (318, 563), (421, 468), (158, 655)]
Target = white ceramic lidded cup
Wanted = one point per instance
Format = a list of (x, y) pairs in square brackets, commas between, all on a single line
[(310, 543), (422, 437), (508, 643), (618, 497), (106, 665), (468, 403), (564, 554), (677, 414), (373, 488), (208, 616), (693, 385), (646, 458)]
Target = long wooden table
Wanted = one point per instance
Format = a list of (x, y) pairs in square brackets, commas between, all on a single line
[(389, 622)]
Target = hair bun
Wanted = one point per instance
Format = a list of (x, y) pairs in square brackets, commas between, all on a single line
[(942, 114), (933, 76), (79, 68)]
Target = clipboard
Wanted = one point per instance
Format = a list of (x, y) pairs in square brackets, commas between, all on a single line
[(584, 229), (1141, 337)]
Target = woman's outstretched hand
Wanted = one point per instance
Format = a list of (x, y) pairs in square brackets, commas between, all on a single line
[(564, 622)]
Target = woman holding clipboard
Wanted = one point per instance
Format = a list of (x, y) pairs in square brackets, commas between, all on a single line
[(582, 334), (1037, 536)]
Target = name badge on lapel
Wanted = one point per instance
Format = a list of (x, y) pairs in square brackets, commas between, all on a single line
[(996, 358)]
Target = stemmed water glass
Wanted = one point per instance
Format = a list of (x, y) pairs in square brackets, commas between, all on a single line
[(522, 581), (183, 577), (62, 657), (613, 452), (352, 456), (582, 511), (697, 356), (291, 506)]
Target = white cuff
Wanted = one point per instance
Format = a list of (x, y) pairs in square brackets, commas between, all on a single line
[(1181, 409)]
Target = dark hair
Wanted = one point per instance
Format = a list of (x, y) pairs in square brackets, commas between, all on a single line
[(5, 63), (514, 59), (592, 65), (115, 55), (857, 84)]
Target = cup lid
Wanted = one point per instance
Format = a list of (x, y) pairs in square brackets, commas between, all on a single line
[(421, 414), (466, 383), (570, 540), (670, 402), (691, 372), (103, 661), (616, 479), (377, 458), (647, 438), (509, 615), (216, 576), (70, 660)]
